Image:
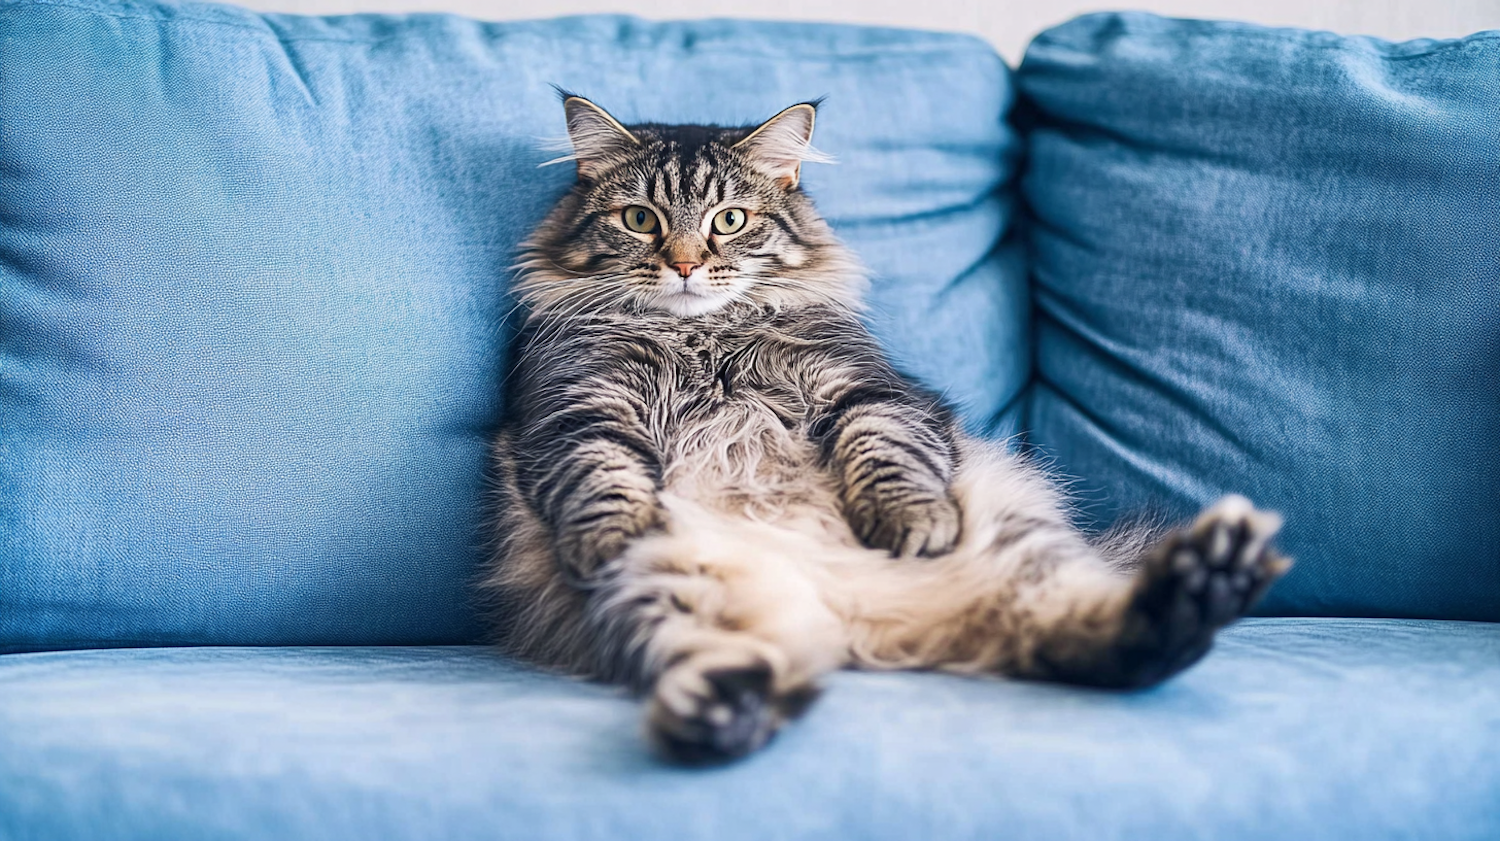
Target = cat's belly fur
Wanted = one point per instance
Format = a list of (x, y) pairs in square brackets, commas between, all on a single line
[(741, 457)]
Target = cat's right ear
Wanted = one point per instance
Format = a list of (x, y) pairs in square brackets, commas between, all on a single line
[(599, 141)]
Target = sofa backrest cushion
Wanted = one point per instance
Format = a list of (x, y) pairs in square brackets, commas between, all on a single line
[(253, 272), (1268, 262)]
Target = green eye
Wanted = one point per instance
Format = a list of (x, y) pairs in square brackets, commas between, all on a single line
[(640, 219), (729, 221)]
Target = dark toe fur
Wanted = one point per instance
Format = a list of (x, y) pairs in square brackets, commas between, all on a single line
[(739, 715)]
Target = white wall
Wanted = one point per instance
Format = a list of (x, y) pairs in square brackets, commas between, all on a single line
[(1008, 24)]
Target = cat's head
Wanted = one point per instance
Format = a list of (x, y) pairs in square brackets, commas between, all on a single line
[(686, 220)]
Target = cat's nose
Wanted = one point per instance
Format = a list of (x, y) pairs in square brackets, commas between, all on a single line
[(685, 269)]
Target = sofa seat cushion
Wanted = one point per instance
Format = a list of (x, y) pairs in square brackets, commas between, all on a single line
[(1358, 729)]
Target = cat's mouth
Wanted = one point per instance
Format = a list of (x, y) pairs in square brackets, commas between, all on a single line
[(689, 296)]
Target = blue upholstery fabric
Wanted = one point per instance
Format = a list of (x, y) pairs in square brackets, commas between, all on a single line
[(1295, 729), (1268, 262), (252, 276)]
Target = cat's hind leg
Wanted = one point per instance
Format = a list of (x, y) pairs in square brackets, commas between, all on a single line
[(1024, 594), (1190, 585), (720, 626)]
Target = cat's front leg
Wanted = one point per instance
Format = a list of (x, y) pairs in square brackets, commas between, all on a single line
[(922, 525), (595, 526), (894, 458), (594, 481)]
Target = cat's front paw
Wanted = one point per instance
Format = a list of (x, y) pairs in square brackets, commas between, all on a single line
[(915, 525)]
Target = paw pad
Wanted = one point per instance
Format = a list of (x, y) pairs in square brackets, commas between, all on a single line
[(704, 715), (1195, 582)]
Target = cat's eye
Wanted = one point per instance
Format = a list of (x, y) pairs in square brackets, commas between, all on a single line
[(642, 220), (729, 221)]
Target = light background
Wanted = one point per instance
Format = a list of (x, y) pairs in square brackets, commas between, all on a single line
[(1008, 24)]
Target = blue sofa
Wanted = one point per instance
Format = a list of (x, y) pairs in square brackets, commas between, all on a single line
[(252, 304)]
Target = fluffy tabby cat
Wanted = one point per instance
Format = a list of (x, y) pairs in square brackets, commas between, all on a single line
[(714, 487)]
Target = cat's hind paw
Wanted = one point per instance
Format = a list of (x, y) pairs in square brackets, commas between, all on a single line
[(1193, 583), (706, 713), (1223, 563)]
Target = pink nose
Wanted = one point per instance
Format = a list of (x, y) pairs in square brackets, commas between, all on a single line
[(685, 269)]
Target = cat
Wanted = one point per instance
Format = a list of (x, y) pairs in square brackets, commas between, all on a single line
[(712, 485)]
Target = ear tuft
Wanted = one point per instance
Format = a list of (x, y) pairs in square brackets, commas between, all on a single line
[(598, 139), (780, 145)]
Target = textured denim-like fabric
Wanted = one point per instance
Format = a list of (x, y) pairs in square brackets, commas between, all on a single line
[(1292, 729), (1268, 262), (252, 276)]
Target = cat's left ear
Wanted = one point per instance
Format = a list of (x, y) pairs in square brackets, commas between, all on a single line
[(599, 141), (780, 145)]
